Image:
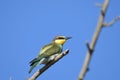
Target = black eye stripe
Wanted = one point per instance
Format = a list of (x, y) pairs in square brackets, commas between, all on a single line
[(60, 38)]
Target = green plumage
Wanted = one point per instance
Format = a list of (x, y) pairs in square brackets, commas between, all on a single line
[(49, 52), (46, 52)]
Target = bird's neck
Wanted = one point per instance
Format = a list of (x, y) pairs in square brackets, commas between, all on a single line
[(61, 42), (57, 43)]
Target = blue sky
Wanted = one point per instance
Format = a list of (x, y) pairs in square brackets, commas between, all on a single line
[(27, 25)]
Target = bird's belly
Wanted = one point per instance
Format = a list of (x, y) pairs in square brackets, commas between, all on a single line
[(46, 60)]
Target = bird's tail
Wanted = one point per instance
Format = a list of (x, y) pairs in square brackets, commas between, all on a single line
[(33, 66), (34, 63)]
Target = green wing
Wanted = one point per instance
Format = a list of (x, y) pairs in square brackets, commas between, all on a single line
[(50, 49)]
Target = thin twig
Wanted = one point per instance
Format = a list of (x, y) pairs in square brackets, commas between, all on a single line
[(112, 22), (94, 40), (88, 46), (40, 71)]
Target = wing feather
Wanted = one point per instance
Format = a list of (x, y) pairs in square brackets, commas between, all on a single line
[(50, 49)]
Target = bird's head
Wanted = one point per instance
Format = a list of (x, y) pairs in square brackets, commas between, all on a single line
[(61, 39)]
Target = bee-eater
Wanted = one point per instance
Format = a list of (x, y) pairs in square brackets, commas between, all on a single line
[(49, 52)]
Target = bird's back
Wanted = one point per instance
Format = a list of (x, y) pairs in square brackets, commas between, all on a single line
[(50, 49)]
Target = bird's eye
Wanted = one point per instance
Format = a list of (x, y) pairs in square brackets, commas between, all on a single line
[(61, 38)]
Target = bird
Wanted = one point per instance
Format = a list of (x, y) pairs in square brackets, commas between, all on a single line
[(49, 52)]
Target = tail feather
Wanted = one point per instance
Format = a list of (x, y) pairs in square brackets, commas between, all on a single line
[(33, 66), (34, 63), (35, 59)]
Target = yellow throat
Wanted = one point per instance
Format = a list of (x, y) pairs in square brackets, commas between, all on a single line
[(61, 41)]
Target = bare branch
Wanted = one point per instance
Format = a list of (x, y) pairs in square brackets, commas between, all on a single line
[(94, 40), (112, 22), (40, 71)]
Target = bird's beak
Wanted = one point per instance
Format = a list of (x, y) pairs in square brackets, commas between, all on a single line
[(68, 38)]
